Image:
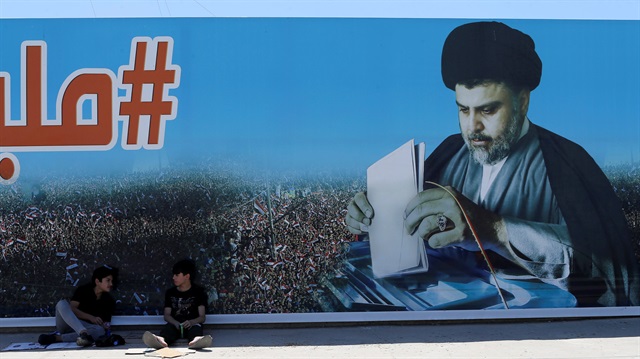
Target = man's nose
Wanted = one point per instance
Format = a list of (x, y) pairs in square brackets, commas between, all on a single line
[(475, 121)]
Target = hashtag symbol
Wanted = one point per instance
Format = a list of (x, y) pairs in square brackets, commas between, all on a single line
[(147, 84)]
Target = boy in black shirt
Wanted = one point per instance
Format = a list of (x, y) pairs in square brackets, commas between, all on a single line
[(85, 317), (184, 311)]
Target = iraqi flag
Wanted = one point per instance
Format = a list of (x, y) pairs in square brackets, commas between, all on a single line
[(259, 207)]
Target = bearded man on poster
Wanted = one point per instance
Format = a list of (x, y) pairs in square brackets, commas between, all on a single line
[(540, 205)]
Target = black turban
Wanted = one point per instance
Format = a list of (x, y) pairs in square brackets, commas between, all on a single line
[(490, 51)]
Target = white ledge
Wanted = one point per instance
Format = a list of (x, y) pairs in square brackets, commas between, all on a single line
[(357, 317)]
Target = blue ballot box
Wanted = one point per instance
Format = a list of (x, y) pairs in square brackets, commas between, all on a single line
[(447, 285)]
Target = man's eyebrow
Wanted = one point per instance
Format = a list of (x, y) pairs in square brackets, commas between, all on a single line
[(484, 105), (491, 104)]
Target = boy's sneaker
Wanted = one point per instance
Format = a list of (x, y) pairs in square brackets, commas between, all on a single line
[(84, 340), (201, 342), (46, 339)]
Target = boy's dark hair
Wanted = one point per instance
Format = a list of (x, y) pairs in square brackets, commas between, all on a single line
[(105, 271), (185, 266)]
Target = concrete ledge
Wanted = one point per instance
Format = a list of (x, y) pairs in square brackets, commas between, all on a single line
[(312, 319)]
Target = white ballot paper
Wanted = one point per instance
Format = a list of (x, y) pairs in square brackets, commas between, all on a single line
[(391, 183)]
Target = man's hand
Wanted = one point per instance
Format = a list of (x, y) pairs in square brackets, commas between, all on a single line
[(186, 324), (359, 214), (424, 211), (97, 320)]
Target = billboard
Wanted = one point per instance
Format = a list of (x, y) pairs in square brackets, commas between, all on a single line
[(240, 143)]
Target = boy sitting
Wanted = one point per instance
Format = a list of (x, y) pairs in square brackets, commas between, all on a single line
[(88, 314), (184, 311)]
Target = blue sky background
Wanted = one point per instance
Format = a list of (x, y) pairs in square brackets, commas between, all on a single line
[(332, 93), (461, 9)]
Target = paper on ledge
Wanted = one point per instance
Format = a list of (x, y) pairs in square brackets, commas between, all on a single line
[(391, 183)]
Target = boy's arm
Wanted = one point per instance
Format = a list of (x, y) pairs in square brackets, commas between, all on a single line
[(169, 319)]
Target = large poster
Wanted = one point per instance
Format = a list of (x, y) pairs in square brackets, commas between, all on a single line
[(240, 142)]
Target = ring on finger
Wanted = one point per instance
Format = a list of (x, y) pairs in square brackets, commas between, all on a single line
[(442, 222)]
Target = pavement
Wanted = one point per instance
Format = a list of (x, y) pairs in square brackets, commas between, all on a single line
[(576, 338)]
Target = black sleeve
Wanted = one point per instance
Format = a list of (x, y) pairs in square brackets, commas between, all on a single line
[(203, 298), (604, 270), (440, 156)]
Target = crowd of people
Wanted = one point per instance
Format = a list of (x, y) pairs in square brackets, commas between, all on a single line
[(625, 179), (251, 262), (262, 246), (280, 268)]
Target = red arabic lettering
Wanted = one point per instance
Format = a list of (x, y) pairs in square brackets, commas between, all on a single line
[(70, 130)]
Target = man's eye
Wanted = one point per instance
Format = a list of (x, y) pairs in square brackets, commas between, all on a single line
[(464, 110), (489, 110)]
